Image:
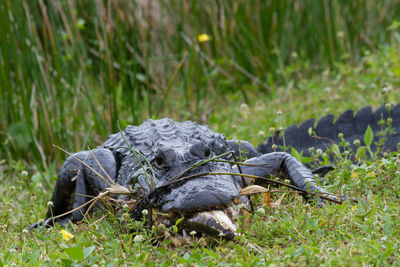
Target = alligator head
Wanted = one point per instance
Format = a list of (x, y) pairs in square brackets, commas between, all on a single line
[(204, 200)]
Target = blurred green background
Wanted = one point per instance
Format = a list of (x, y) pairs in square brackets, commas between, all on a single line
[(69, 70)]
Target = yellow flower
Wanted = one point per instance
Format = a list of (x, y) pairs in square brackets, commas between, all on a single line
[(66, 235), (204, 37)]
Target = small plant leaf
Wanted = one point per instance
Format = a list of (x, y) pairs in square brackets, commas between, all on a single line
[(389, 251), (75, 253), (66, 262), (88, 251), (336, 150), (306, 160), (295, 153), (179, 220), (361, 152), (368, 136)]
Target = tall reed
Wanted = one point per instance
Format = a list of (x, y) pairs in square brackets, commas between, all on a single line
[(71, 69)]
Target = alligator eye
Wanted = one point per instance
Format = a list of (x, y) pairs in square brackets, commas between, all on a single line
[(200, 150), (163, 157), (159, 161)]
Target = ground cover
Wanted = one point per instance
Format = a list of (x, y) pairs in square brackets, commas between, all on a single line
[(295, 232), (71, 70)]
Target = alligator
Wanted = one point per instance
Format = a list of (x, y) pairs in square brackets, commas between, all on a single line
[(159, 161)]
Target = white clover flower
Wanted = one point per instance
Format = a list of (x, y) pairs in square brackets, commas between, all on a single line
[(145, 212), (138, 238), (192, 233), (385, 90), (260, 211), (24, 173), (244, 110), (25, 231), (244, 106), (50, 204)]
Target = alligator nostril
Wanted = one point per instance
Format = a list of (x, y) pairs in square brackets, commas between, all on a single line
[(207, 151), (201, 150)]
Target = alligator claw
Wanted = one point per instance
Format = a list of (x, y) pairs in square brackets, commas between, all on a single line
[(42, 224)]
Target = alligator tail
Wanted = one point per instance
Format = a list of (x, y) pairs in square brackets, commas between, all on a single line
[(348, 126)]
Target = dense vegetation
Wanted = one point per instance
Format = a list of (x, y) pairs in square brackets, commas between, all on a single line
[(69, 70), (131, 60)]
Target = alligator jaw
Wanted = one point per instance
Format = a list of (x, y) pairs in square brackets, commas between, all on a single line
[(215, 223)]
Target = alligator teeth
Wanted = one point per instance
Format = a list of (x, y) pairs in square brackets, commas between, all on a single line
[(216, 223)]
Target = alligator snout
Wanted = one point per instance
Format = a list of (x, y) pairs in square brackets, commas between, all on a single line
[(188, 186), (205, 203), (214, 223)]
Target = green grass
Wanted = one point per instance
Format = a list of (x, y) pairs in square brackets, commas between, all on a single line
[(70, 69), (295, 233)]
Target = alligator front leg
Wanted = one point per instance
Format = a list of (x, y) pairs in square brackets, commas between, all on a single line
[(76, 183), (285, 166)]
